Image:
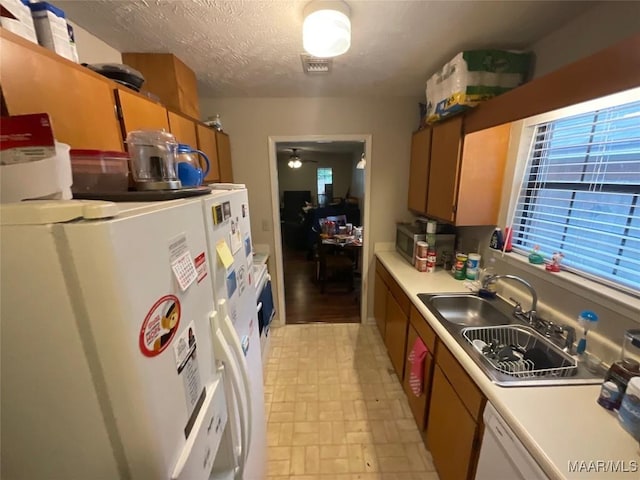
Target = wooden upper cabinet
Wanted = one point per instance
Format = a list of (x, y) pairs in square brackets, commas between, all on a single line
[(444, 169), (484, 157), (169, 78), (207, 143), (183, 128), (79, 102), (419, 170), (224, 157), (140, 113)]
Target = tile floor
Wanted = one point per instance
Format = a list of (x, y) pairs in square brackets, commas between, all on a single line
[(336, 410)]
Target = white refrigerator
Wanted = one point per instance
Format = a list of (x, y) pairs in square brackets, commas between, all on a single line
[(114, 361)]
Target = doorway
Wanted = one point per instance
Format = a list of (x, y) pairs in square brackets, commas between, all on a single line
[(313, 178)]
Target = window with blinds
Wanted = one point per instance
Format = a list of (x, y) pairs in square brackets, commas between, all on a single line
[(581, 195)]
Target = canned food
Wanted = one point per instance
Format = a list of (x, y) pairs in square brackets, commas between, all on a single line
[(459, 272), (422, 249), (421, 264)]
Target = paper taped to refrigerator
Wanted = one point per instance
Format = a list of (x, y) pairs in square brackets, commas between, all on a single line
[(224, 254)]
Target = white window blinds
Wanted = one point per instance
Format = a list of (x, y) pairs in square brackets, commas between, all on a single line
[(581, 195)]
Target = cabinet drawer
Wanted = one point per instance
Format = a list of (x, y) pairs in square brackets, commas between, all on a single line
[(418, 404), (400, 296), (383, 272), (467, 390), (423, 329)]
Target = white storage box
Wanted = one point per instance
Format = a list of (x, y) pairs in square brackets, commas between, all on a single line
[(49, 178), (16, 17), (51, 28), (473, 76)]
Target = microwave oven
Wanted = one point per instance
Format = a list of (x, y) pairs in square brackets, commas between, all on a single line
[(407, 237)]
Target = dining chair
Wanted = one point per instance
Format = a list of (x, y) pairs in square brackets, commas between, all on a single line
[(333, 265)]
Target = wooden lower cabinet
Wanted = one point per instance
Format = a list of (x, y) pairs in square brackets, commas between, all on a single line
[(395, 336), (418, 404), (380, 303), (452, 433)]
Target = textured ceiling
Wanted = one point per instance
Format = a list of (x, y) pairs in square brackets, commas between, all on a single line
[(315, 150), (251, 48)]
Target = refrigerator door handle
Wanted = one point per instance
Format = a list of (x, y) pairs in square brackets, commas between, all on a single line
[(259, 307), (232, 338), (224, 353)]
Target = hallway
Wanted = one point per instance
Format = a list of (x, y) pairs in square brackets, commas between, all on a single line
[(336, 410), (303, 300)]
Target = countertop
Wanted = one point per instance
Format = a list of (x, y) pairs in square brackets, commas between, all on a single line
[(560, 425)]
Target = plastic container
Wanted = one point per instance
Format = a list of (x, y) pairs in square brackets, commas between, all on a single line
[(629, 413), (473, 266), (99, 171), (620, 373), (153, 159)]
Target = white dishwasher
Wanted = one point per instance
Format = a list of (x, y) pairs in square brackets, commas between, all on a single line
[(502, 455)]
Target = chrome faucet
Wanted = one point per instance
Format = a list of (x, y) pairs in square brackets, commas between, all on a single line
[(530, 315), (555, 332)]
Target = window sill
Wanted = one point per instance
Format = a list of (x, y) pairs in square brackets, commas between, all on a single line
[(620, 302)]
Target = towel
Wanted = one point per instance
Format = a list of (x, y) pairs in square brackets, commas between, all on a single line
[(416, 358)]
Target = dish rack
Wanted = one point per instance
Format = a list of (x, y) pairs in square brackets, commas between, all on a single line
[(520, 339)]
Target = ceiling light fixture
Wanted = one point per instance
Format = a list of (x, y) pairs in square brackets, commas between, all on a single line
[(294, 159), (362, 163), (326, 31)]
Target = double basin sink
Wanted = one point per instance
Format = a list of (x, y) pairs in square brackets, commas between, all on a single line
[(509, 351)]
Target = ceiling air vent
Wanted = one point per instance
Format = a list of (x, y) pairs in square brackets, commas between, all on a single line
[(314, 65)]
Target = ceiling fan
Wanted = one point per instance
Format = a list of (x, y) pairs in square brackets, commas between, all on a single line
[(295, 161)]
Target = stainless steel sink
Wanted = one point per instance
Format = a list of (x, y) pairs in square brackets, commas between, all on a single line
[(509, 352), (468, 310)]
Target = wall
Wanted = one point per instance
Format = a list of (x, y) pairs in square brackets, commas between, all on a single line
[(305, 177), (357, 181), (93, 50), (390, 121), (597, 28)]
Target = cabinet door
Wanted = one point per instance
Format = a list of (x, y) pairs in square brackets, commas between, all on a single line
[(444, 169), (207, 143), (451, 432), (79, 102), (395, 336), (418, 404), (140, 113), (380, 303), (224, 157), (419, 170), (183, 128), (484, 156)]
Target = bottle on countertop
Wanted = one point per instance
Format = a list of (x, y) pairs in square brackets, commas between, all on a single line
[(629, 413), (496, 241), (432, 227)]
